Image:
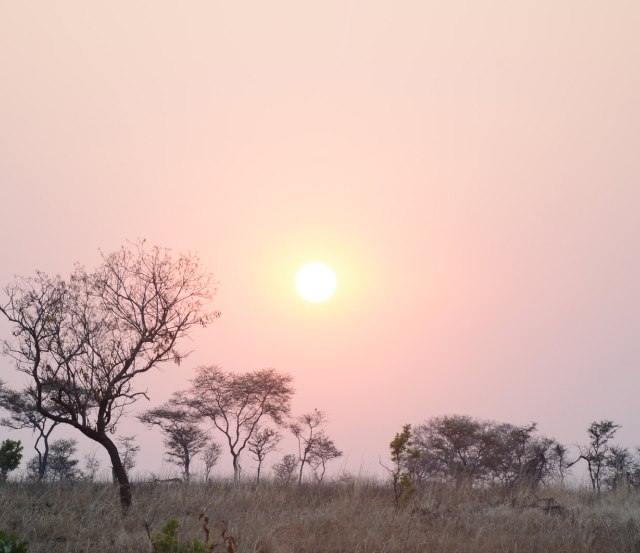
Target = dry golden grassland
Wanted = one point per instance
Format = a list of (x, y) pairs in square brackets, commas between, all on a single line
[(357, 516)]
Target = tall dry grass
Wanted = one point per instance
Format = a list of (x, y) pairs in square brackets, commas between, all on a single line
[(356, 516)]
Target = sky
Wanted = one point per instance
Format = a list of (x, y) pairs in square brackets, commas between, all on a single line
[(469, 170)]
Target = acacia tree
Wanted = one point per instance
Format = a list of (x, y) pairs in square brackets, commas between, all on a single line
[(263, 442), (236, 403), (62, 464), (595, 453), (183, 438), (84, 340), (24, 414), (468, 450), (323, 451)]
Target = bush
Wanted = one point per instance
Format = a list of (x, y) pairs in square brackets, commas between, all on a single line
[(9, 543), (166, 540)]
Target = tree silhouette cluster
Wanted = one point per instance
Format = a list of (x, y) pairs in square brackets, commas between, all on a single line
[(84, 341), (465, 450)]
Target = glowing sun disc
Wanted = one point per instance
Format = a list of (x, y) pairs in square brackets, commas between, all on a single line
[(315, 282)]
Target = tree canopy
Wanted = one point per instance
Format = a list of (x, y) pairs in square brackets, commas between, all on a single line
[(236, 403)]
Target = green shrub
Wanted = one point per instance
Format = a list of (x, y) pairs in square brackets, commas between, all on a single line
[(166, 541), (9, 543)]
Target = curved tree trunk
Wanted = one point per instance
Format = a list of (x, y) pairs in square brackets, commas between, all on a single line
[(119, 472)]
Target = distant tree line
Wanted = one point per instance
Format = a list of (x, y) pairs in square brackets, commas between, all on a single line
[(468, 451)]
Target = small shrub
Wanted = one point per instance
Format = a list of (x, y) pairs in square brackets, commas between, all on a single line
[(9, 543), (166, 540)]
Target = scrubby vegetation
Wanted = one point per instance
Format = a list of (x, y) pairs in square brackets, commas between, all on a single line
[(350, 515)]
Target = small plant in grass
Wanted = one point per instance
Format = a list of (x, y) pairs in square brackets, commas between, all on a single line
[(167, 541), (10, 543)]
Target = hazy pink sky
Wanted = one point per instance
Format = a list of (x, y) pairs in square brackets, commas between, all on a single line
[(471, 170)]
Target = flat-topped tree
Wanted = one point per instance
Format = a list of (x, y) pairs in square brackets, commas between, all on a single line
[(183, 438), (84, 340), (236, 404)]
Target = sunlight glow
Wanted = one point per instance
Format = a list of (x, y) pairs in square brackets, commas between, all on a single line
[(316, 282)]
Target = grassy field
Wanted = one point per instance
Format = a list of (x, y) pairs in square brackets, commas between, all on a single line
[(357, 516)]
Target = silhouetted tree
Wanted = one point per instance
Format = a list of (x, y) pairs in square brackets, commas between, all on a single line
[(323, 451), (91, 466), (561, 463), (128, 452), (284, 470), (23, 413), (237, 403), (62, 464), (619, 468), (263, 442), (455, 447), (468, 450), (210, 455), (84, 340), (595, 453), (183, 437), (314, 447)]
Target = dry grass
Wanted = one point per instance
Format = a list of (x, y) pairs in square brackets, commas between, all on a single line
[(353, 517)]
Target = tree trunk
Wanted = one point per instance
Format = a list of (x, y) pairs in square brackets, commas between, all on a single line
[(119, 472), (304, 460), (236, 469), (43, 456), (42, 464), (259, 465), (187, 462)]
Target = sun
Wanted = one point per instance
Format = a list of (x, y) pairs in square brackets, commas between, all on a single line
[(316, 282)]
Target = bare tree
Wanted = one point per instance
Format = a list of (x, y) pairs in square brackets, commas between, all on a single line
[(237, 403), (183, 438), (91, 466), (84, 340), (210, 455), (263, 442), (24, 414), (128, 452), (562, 465), (314, 447)]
